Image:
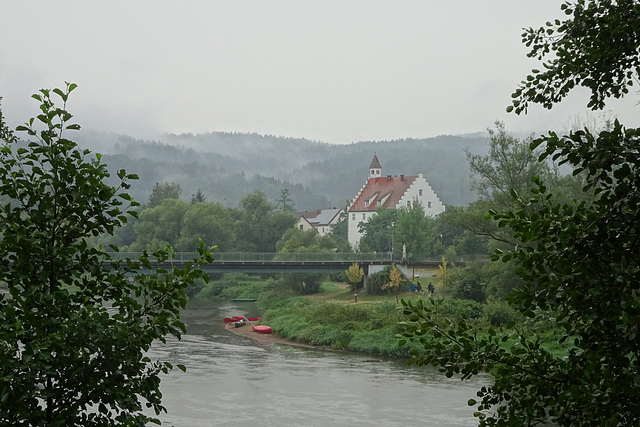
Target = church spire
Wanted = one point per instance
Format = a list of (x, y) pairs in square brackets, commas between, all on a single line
[(375, 170)]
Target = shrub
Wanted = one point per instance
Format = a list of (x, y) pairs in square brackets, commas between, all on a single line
[(376, 281), (499, 313)]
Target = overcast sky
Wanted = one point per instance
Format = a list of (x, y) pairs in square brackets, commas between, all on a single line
[(331, 71)]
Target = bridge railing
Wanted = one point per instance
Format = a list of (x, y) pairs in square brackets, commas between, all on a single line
[(270, 256)]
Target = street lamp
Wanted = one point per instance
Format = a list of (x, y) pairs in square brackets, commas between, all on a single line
[(392, 232)]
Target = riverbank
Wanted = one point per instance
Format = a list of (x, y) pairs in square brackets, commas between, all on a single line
[(247, 331)]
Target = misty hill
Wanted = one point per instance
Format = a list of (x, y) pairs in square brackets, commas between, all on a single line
[(227, 166)]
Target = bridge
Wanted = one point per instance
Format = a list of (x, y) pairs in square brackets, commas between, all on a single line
[(265, 262)]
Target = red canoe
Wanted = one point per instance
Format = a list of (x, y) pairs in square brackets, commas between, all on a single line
[(262, 329), (238, 318)]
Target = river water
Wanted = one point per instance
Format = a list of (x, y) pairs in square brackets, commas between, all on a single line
[(234, 381)]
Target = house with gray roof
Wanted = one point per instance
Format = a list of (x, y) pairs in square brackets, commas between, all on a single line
[(321, 220)]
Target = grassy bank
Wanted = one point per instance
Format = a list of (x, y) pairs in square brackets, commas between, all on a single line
[(333, 319)]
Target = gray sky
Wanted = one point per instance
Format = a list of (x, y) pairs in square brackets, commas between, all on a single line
[(332, 71)]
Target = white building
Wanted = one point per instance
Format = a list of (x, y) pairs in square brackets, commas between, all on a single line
[(322, 220), (389, 192)]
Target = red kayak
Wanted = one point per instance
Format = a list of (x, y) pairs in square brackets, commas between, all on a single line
[(239, 318), (262, 329)]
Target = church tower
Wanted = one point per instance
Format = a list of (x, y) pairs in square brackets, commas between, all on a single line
[(375, 170)]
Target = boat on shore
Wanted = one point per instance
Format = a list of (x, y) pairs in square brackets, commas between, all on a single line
[(233, 319), (262, 329), (239, 321)]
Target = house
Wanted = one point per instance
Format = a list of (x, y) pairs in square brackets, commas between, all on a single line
[(322, 220), (389, 192)]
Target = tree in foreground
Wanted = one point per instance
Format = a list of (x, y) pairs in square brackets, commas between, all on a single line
[(74, 330), (579, 260)]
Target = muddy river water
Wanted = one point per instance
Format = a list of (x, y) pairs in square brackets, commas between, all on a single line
[(234, 381)]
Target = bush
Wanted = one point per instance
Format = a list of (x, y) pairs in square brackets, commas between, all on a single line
[(304, 283), (499, 313), (233, 285), (468, 283), (376, 281), (456, 309)]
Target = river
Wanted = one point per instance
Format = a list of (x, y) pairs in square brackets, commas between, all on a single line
[(234, 381)]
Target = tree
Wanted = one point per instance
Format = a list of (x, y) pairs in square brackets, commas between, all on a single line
[(416, 230), (209, 222), (160, 225), (285, 202), (258, 225), (296, 241), (509, 166), (579, 259), (378, 231), (161, 192), (197, 197), (340, 232), (74, 329), (354, 274), (395, 280), (595, 47)]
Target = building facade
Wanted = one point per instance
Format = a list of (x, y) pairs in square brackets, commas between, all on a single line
[(389, 192)]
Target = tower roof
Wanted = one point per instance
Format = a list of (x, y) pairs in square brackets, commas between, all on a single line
[(375, 163)]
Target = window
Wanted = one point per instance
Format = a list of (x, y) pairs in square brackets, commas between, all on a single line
[(408, 203), (364, 216), (301, 227), (366, 203), (428, 204), (420, 192), (353, 217)]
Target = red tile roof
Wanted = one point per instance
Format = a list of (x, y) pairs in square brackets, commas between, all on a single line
[(379, 188)]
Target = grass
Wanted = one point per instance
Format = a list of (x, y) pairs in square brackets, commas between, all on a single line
[(332, 319)]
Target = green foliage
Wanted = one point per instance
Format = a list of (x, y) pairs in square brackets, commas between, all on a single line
[(367, 328), (304, 283), (499, 313), (198, 197), (340, 232), (509, 166), (284, 202), (162, 192), (377, 281), (415, 230), (299, 241), (354, 274), (578, 259), (467, 283), (595, 47), (259, 225), (378, 232), (75, 331), (232, 285)]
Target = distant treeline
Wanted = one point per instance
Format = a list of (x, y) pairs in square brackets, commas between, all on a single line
[(227, 166)]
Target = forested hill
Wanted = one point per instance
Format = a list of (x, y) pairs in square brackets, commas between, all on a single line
[(227, 166)]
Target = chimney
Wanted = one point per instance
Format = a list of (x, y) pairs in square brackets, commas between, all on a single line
[(401, 177), (388, 177)]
